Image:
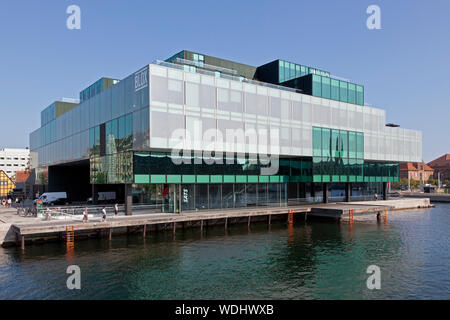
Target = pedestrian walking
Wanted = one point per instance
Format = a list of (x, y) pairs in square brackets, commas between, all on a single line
[(104, 214), (9, 203), (85, 215), (116, 210), (376, 196)]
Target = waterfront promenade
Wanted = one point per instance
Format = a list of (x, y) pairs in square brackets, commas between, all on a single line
[(15, 229)]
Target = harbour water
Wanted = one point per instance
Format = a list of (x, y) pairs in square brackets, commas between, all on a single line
[(313, 260)]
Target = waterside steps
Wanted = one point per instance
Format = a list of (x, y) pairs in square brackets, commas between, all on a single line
[(155, 222)]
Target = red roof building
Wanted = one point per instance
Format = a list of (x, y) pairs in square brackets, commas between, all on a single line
[(441, 167), (419, 171)]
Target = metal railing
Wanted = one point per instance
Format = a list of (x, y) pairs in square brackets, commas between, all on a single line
[(77, 212)]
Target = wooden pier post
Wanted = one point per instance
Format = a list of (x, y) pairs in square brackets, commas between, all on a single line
[(226, 223), (201, 225), (270, 219), (23, 243), (174, 228), (110, 234), (144, 231), (249, 218)]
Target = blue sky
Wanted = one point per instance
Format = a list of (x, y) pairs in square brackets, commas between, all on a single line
[(404, 66)]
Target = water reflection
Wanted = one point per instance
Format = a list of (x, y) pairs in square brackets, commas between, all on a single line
[(313, 260)]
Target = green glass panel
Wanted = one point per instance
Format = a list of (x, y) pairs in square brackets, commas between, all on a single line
[(202, 178), (351, 93), (303, 70), (216, 179), (274, 179), (252, 179), (241, 179), (158, 178), (292, 71), (360, 145), (335, 89), (335, 144), (189, 178), (228, 179), (317, 178), (344, 179), (352, 144), (317, 142), (281, 71), (360, 95), (263, 179), (344, 143), (283, 179), (343, 88), (316, 85), (141, 178), (326, 146), (173, 178), (326, 87)]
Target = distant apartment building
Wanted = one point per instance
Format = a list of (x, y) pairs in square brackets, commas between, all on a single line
[(13, 160), (419, 171), (441, 167)]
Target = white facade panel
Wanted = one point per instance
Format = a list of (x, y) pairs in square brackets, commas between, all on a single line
[(223, 104)]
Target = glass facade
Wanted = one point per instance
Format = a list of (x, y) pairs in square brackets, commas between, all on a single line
[(338, 156), (289, 71), (165, 197), (121, 110), (158, 167), (339, 90)]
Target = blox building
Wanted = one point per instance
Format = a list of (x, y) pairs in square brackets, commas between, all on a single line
[(122, 136)]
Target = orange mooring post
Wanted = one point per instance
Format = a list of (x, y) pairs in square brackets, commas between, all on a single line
[(291, 216), (350, 216), (385, 216), (70, 236)]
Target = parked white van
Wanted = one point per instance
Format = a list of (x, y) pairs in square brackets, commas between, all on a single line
[(104, 197), (51, 198)]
